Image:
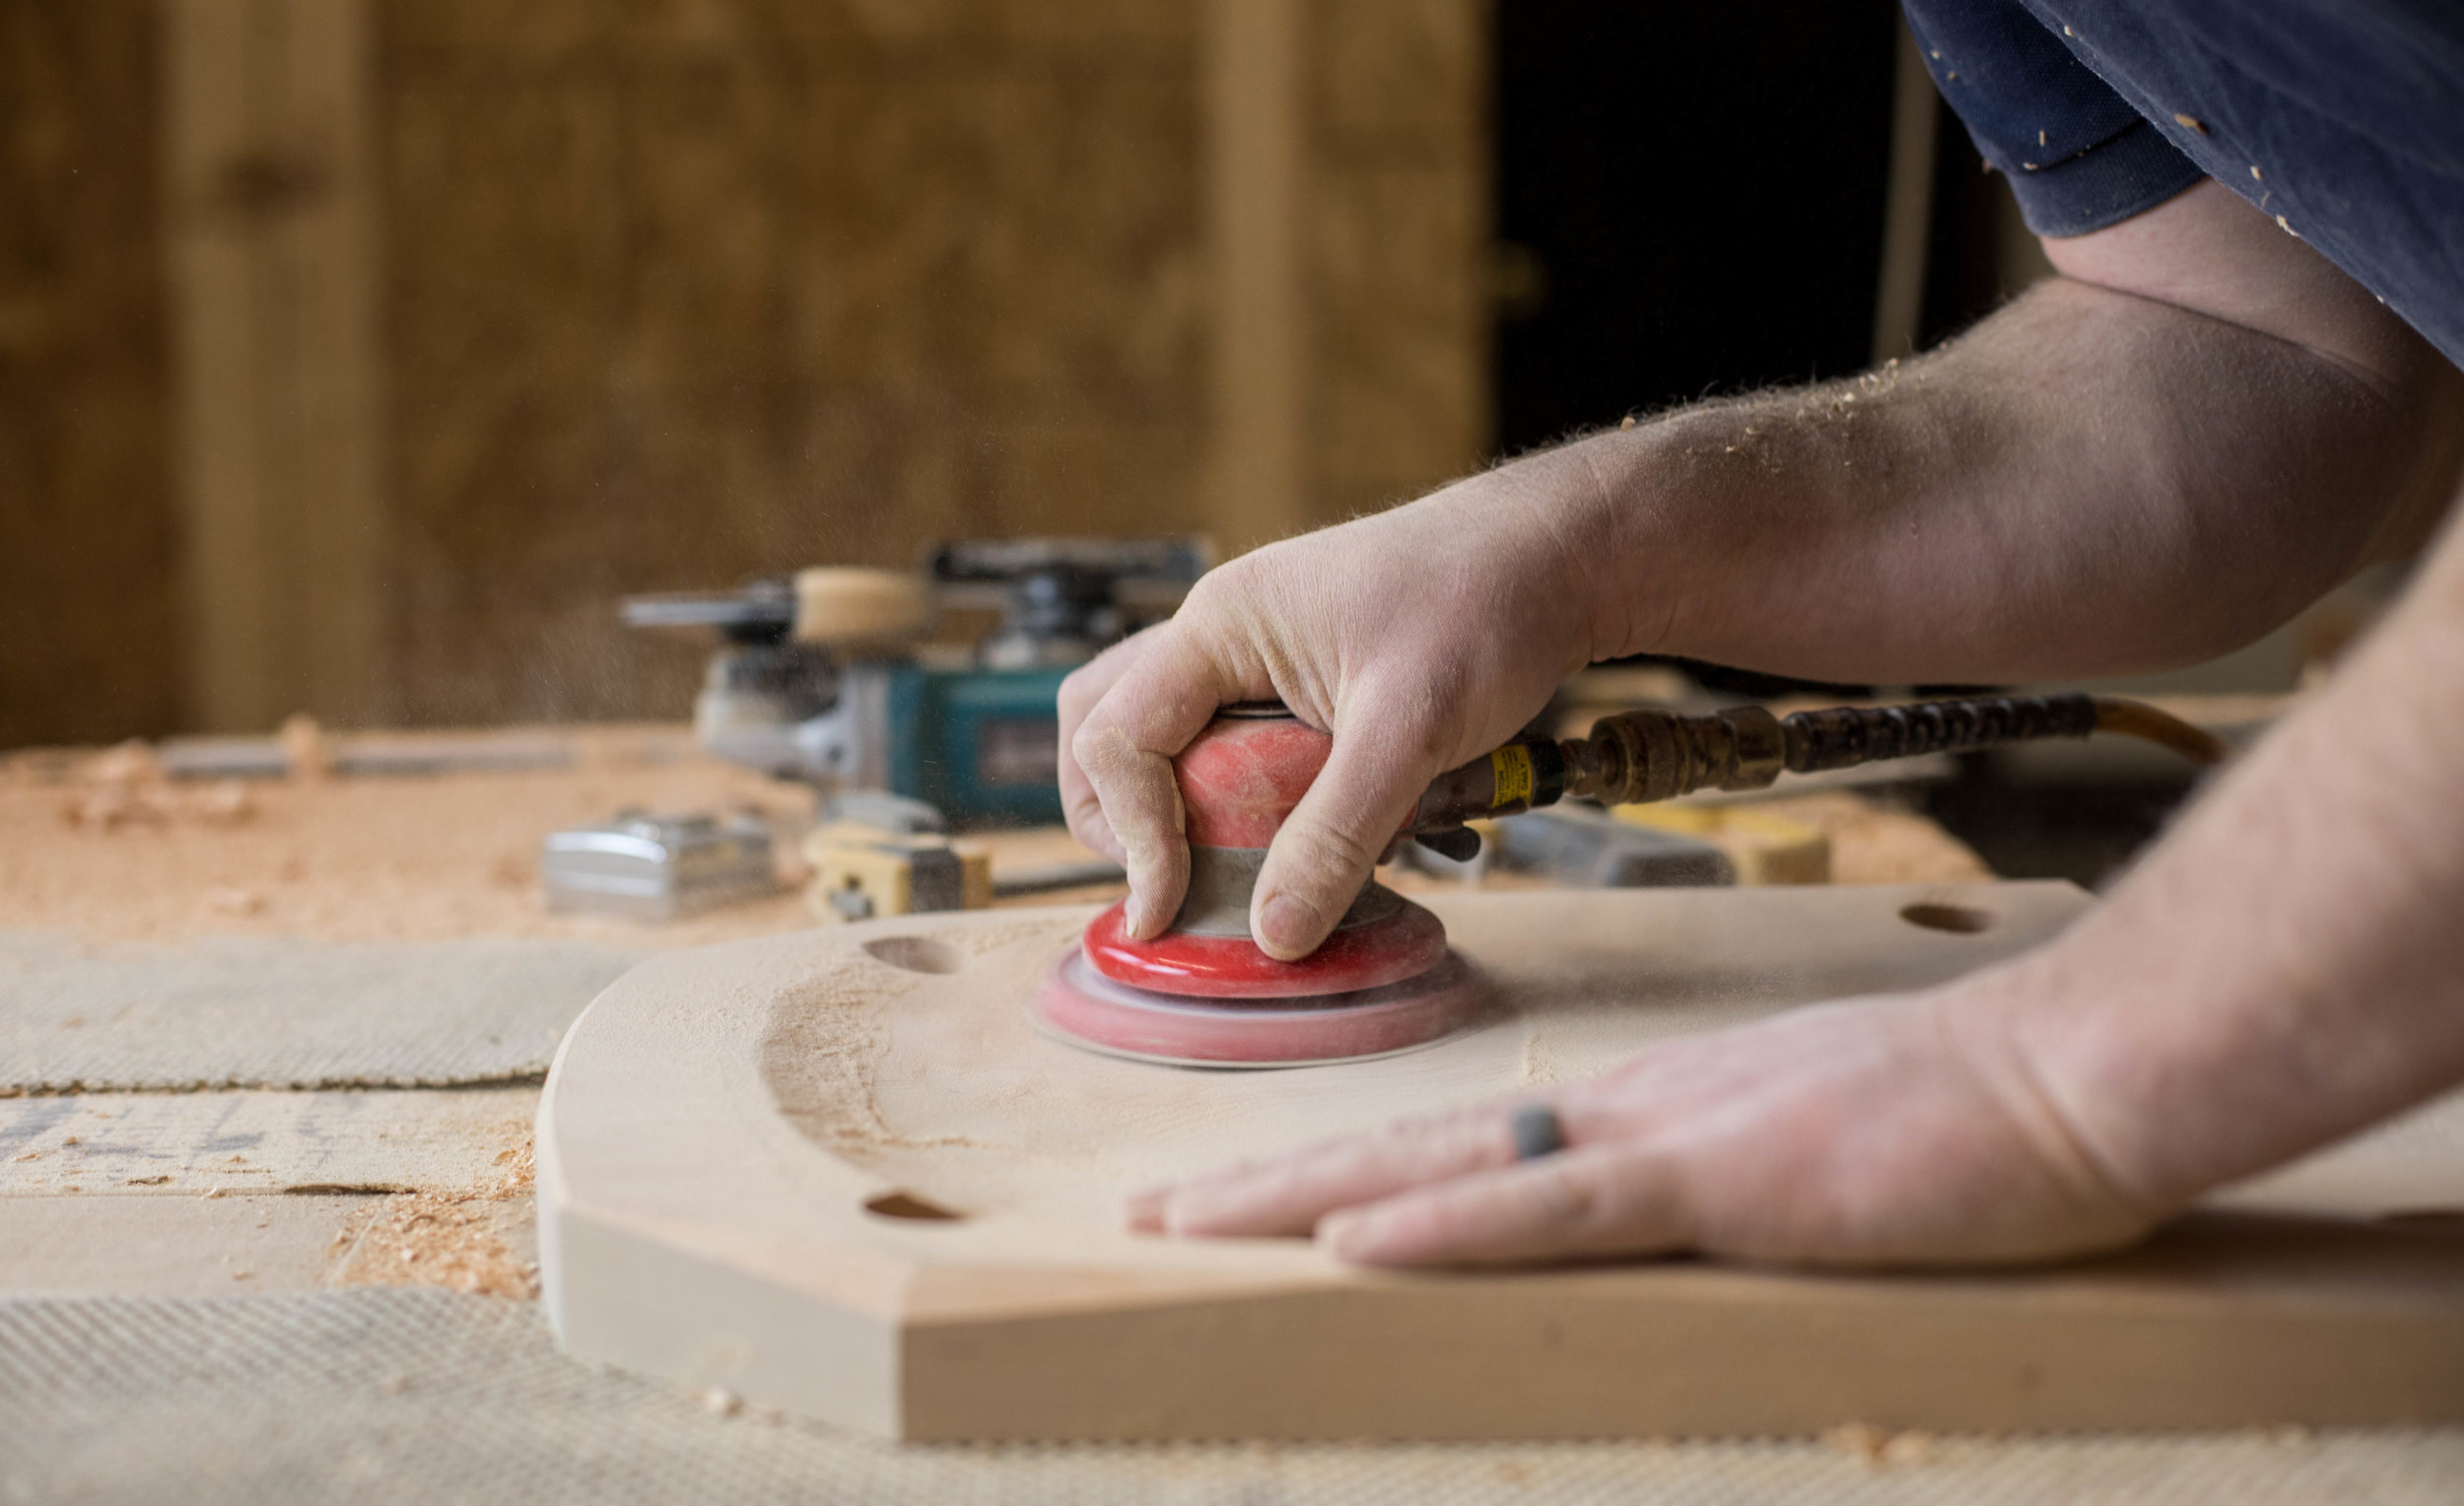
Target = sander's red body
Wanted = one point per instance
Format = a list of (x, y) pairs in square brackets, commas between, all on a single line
[(1202, 993)]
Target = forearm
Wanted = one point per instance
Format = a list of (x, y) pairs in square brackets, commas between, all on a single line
[(2289, 967), (2088, 483)]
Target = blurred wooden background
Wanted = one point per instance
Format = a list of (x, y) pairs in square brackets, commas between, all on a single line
[(356, 354), (90, 550)]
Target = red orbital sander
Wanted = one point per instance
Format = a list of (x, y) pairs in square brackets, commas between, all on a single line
[(1202, 993)]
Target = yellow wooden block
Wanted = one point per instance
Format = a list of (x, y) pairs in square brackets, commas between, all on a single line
[(1766, 848), (862, 873)]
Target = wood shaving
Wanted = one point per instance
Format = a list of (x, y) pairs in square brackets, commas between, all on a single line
[(125, 786), (108, 808), (1878, 1448), (454, 1238), (1909, 1449), (129, 762), (305, 748), (227, 899), (224, 804), (100, 847)]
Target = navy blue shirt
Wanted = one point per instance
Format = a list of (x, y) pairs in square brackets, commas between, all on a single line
[(2342, 120)]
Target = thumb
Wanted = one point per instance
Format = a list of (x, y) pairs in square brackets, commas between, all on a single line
[(1124, 747), (1333, 837)]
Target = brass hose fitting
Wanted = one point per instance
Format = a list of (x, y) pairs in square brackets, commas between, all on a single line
[(1636, 757)]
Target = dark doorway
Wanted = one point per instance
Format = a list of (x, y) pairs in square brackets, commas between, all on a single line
[(1690, 202)]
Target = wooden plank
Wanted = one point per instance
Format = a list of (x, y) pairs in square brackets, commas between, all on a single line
[(208, 1194), (88, 555), (1256, 159), (1908, 207), (724, 1127), (187, 1144), (229, 1245), (269, 213), (180, 1246)]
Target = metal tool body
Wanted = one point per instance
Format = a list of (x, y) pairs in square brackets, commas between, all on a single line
[(852, 699), (655, 868)]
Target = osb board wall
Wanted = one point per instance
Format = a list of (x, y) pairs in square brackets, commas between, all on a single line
[(1398, 231), (670, 293), (88, 551), (681, 292)]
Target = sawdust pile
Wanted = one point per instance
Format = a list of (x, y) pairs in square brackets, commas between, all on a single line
[(462, 1240), (105, 848), (125, 786)]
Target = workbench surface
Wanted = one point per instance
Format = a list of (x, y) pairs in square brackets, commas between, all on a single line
[(319, 1285)]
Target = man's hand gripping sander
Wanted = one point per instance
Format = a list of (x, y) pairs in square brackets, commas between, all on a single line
[(1202, 993)]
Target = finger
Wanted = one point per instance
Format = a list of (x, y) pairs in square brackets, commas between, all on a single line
[(1084, 687), (1143, 1211), (1317, 863), (1614, 1199), (1164, 697), (1288, 1194)]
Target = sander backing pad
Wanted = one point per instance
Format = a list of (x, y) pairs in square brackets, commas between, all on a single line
[(1203, 993), (1084, 1008)]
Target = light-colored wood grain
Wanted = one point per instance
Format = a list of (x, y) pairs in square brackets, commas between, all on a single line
[(177, 1246), (89, 551), (216, 1194), (188, 1144), (1907, 206), (719, 1122), (1258, 169), (270, 207)]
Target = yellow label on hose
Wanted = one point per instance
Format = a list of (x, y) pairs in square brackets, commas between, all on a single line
[(1511, 765)]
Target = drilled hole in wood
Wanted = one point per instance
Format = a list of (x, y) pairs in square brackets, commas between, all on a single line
[(906, 1204), (1956, 918), (913, 954)]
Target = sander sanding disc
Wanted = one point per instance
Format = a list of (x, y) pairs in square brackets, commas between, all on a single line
[(1403, 943), (1082, 1007)]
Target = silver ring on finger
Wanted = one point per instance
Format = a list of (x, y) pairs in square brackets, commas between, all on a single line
[(1537, 1132)]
